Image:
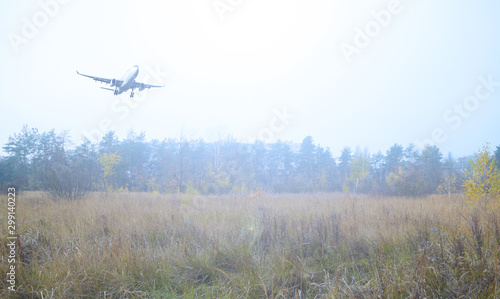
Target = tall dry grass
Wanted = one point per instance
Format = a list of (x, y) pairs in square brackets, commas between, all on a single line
[(276, 246)]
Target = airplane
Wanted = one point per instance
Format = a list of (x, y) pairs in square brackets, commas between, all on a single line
[(125, 83)]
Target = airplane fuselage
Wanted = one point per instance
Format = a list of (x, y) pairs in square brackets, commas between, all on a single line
[(125, 83), (128, 80)]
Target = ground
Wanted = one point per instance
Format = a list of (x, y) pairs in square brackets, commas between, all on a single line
[(322, 245)]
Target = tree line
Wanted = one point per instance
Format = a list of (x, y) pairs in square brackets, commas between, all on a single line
[(47, 161)]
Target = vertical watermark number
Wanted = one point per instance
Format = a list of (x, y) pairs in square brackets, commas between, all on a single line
[(12, 238)]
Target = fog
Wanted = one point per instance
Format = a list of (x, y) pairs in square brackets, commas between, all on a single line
[(369, 74)]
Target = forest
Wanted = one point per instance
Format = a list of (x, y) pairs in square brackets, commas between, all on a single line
[(184, 218), (47, 161)]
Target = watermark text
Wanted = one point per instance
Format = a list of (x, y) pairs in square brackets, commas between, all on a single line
[(11, 238)]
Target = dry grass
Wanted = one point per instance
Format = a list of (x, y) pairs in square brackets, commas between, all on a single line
[(275, 246)]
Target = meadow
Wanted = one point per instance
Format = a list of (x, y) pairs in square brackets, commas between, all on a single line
[(320, 245)]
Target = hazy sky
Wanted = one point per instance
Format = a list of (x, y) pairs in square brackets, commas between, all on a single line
[(357, 73)]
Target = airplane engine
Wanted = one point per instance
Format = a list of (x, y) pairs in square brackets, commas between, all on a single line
[(141, 87), (113, 82)]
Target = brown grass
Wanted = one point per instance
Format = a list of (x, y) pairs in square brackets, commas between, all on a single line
[(275, 246)]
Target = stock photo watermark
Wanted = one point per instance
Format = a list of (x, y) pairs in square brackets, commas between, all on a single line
[(48, 9), (122, 105), (461, 111), (222, 7), (277, 124), (11, 238), (364, 35)]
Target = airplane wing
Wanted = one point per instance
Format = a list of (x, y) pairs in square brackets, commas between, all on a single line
[(104, 80), (142, 86)]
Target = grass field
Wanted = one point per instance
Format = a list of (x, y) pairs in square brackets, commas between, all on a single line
[(139, 245)]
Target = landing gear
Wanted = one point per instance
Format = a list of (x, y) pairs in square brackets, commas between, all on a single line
[(132, 94)]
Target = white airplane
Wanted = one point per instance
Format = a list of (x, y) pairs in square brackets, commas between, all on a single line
[(125, 83)]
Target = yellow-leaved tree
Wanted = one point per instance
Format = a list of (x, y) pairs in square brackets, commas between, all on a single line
[(108, 163), (482, 186)]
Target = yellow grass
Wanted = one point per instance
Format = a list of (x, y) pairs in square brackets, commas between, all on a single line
[(139, 245)]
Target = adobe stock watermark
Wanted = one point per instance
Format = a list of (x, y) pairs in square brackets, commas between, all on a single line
[(122, 105), (222, 7), (461, 111), (30, 28), (364, 35), (277, 124), (12, 239)]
